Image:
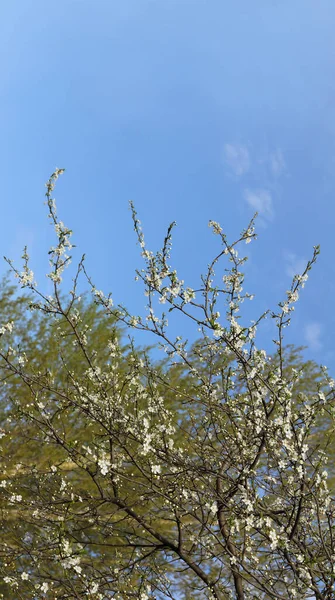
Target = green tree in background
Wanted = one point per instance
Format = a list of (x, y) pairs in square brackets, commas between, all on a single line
[(203, 475)]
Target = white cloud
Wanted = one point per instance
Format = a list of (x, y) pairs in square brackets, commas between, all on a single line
[(236, 156), (277, 163), (312, 336), (260, 200), (296, 265)]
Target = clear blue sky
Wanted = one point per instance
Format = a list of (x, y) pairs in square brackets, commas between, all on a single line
[(195, 110)]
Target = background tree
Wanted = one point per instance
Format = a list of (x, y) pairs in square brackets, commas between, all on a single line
[(204, 472)]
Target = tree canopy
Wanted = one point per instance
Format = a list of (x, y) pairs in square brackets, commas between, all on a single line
[(201, 475)]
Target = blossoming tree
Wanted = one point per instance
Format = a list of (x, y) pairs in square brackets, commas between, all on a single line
[(199, 476)]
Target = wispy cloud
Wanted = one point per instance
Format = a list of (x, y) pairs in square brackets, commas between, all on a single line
[(237, 157), (295, 264), (23, 236), (259, 172), (260, 200), (277, 163), (313, 335)]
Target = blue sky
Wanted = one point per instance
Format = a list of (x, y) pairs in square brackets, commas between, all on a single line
[(195, 110)]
